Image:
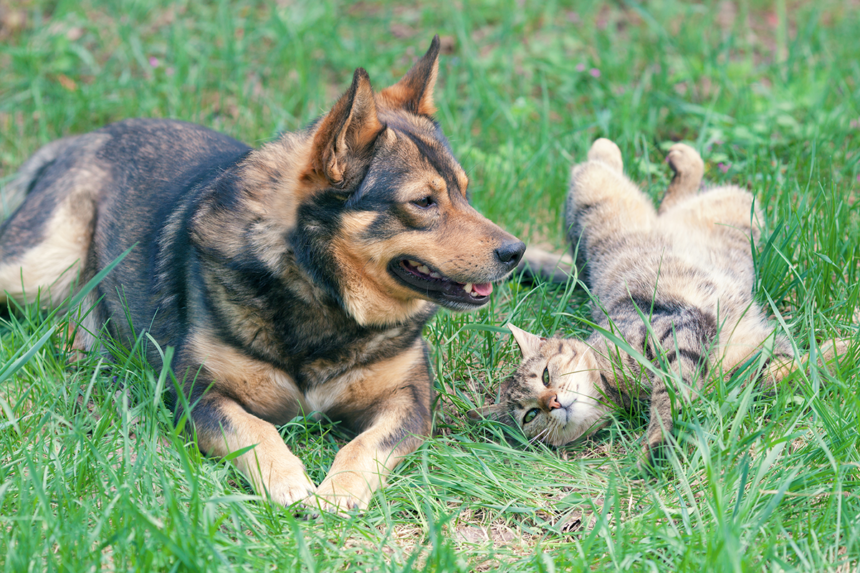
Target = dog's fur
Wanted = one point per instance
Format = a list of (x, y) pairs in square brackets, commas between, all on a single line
[(281, 275)]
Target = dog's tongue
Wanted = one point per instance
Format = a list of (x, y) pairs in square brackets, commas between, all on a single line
[(482, 289)]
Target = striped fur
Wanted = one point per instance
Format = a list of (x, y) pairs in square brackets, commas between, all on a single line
[(675, 285)]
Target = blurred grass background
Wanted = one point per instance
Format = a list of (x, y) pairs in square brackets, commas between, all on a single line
[(94, 478)]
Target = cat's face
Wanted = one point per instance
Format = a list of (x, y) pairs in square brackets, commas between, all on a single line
[(555, 394)]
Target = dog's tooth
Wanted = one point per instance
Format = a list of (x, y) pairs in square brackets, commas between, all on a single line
[(435, 275), (467, 287), (424, 269), (473, 294), (412, 263)]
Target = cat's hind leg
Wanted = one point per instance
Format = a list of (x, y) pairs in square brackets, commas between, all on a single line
[(603, 206), (688, 169), (727, 224), (720, 209), (606, 151)]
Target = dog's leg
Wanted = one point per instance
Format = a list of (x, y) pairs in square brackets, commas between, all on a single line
[(402, 420), (52, 263), (363, 465), (223, 427), (227, 424)]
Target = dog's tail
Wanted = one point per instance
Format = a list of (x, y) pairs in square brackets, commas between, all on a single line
[(28, 175), (538, 265)]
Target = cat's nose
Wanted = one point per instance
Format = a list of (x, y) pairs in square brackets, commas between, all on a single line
[(553, 403)]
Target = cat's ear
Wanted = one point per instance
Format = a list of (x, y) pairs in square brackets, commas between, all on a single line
[(529, 343), (491, 412)]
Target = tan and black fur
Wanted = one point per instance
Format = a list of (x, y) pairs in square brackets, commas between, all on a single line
[(292, 278), (676, 285)]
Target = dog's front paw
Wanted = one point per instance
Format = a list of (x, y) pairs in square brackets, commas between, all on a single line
[(341, 494), (288, 487)]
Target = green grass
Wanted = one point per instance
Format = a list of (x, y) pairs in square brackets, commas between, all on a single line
[(94, 478)]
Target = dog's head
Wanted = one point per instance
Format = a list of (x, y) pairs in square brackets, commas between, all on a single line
[(390, 212)]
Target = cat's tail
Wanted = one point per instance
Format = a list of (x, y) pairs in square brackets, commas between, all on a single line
[(827, 353), (538, 265)]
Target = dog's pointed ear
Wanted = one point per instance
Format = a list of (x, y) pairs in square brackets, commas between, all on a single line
[(529, 343), (346, 134), (414, 92)]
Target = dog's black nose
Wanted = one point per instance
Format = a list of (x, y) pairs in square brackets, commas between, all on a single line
[(511, 253)]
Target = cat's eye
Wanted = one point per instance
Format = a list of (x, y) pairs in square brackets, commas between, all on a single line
[(530, 415), (546, 376)]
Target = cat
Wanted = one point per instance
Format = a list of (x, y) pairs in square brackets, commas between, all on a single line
[(676, 284)]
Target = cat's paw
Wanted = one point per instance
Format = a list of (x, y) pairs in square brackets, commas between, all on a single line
[(689, 168), (686, 162), (645, 467), (652, 458), (607, 152)]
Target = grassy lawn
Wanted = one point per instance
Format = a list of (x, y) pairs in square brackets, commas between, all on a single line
[(93, 475)]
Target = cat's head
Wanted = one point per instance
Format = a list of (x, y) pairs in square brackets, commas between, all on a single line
[(555, 395)]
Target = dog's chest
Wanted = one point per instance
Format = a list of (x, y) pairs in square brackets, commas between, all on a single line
[(321, 379), (324, 364)]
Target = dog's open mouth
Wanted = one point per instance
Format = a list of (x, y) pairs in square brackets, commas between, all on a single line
[(435, 285)]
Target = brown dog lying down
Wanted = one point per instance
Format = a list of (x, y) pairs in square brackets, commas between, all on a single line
[(292, 278)]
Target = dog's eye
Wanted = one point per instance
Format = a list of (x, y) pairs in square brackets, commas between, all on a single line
[(546, 376), (530, 415), (424, 202)]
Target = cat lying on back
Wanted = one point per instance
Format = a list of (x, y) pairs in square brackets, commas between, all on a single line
[(687, 268)]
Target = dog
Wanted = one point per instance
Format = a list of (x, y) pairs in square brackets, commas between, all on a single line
[(292, 278)]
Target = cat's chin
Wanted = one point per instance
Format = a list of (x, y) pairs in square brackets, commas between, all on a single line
[(576, 428), (569, 419), (562, 416)]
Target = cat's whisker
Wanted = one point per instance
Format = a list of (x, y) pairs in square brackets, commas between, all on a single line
[(538, 436), (671, 297)]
